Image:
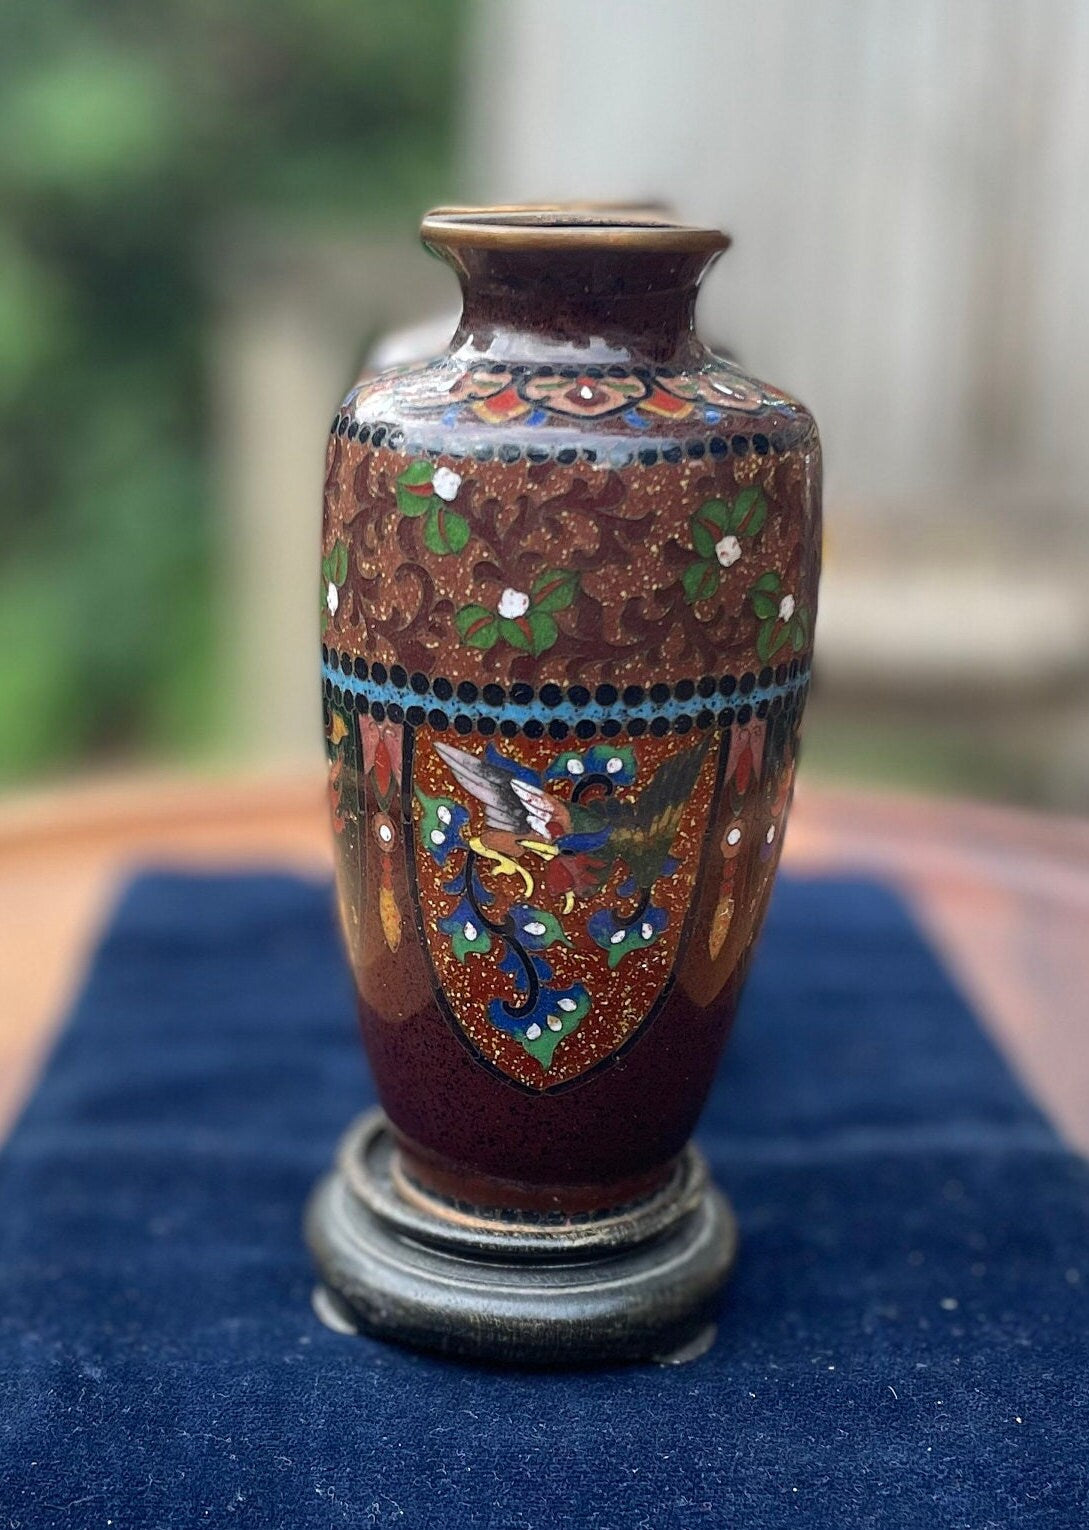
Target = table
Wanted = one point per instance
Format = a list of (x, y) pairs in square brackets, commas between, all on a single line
[(1003, 894)]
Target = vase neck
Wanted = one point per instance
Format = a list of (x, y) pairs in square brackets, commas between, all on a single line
[(557, 287)]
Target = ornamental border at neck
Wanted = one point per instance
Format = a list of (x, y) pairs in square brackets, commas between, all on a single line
[(547, 410)]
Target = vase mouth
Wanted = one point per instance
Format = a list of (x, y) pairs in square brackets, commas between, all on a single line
[(571, 226)]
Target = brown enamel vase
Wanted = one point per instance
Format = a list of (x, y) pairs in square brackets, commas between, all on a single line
[(568, 589)]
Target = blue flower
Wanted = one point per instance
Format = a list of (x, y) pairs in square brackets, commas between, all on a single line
[(537, 929), (557, 1012), (466, 930), (441, 825), (616, 764), (618, 937)]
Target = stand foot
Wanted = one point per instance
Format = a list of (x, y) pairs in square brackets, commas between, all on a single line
[(638, 1284)]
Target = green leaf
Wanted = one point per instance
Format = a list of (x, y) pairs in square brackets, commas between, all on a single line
[(750, 510), (554, 590), (445, 531), (543, 630), (339, 556), (544, 1047), (700, 581), (414, 496), (769, 640), (516, 631), (764, 605), (553, 930), (632, 940), (433, 822), (478, 626), (532, 633), (797, 635), (462, 946), (413, 504), (709, 523), (769, 581)]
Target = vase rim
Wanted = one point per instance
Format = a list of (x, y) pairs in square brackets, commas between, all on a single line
[(569, 226)]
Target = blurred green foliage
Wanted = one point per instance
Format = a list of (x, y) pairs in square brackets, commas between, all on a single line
[(128, 134)]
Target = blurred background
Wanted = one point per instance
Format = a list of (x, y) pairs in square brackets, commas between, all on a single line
[(209, 216)]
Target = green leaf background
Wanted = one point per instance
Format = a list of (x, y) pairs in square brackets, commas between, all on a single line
[(478, 626), (700, 581), (554, 590), (544, 1048), (445, 531)]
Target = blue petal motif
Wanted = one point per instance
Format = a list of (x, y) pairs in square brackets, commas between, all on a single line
[(512, 965), (618, 937), (580, 844), (480, 892), (449, 835), (633, 418), (594, 762), (512, 767), (598, 759), (551, 1001), (533, 927)]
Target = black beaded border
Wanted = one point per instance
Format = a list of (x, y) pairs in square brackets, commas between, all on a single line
[(618, 454), (352, 684)]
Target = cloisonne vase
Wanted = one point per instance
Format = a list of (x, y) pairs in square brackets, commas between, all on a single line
[(569, 580)]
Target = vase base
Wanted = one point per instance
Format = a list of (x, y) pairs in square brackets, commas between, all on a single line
[(637, 1284)]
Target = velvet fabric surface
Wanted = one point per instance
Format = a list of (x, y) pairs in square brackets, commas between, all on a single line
[(904, 1342)]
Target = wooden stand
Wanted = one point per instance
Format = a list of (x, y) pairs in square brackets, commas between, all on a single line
[(638, 1284)]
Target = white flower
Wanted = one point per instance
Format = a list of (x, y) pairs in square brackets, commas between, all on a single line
[(554, 1023), (614, 766), (535, 927), (533, 1031), (446, 483), (469, 930), (568, 1004), (576, 767), (646, 930), (332, 598), (513, 603), (727, 551), (437, 837), (786, 608)]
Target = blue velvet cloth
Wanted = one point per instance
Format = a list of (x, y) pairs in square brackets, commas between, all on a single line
[(904, 1342)]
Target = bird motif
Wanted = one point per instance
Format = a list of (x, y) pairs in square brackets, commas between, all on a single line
[(580, 840)]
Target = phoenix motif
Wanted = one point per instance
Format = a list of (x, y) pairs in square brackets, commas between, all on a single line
[(582, 839)]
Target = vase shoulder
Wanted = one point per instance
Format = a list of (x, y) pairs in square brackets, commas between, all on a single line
[(550, 524), (468, 403)]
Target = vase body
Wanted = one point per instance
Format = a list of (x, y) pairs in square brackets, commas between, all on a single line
[(568, 591)]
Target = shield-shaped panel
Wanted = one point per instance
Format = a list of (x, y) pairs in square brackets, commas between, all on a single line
[(553, 887)]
